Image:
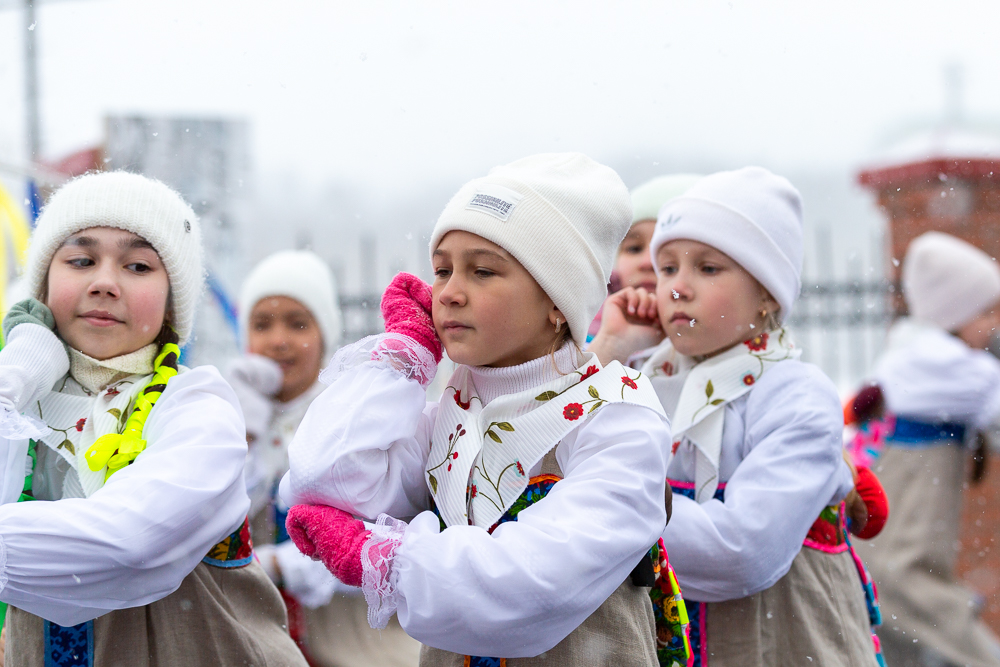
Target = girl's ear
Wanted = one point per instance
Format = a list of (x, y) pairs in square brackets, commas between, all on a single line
[(769, 309)]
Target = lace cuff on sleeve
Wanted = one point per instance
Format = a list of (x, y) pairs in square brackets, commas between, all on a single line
[(389, 350), (378, 579)]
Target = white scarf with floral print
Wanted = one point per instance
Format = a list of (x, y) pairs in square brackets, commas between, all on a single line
[(700, 392), (78, 419), (480, 456)]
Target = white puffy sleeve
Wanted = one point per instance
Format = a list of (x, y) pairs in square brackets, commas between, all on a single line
[(937, 377), (134, 540), (521, 590), (363, 444), (793, 467)]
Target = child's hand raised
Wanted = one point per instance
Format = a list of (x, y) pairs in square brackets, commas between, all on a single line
[(630, 323), (406, 308)]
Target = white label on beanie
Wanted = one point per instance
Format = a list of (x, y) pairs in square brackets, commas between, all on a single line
[(496, 200)]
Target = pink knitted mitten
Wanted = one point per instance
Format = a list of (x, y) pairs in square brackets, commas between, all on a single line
[(406, 309), (330, 535)]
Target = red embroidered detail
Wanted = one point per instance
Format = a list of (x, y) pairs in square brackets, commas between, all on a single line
[(629, 382), (520, 469), (749, 379), (757, 343), (667, 368), (573, 411), (79, 424), (591, 370), (673, 448), (458, 400), (474, 492)]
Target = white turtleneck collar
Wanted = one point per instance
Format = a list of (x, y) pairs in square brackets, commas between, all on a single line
[(94, 374), (492, 383)]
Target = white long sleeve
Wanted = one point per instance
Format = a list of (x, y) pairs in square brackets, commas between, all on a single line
[(521, 590), (518, 592), (362, 446), (782, 460), (32, 360), (134, 540), (929, 375)]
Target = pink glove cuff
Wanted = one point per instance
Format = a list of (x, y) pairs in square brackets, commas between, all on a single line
[(406, 309), (329, 535)]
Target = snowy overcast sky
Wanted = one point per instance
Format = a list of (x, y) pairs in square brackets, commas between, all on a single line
[(406, 93)]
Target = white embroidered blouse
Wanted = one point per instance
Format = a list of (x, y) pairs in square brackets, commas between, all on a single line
[(517, 592)]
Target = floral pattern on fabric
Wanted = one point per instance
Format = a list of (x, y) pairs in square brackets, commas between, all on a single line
[(69, 646), (234, 551), (673, 645)]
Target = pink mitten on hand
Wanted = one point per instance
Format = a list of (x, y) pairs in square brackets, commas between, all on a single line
[(406, 309), (330, 535)]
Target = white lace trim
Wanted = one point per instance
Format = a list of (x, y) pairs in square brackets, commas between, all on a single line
[(15, 426), (378, 580), (388, 350)]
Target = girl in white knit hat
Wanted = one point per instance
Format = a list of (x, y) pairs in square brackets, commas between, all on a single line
[(633, 267), (513, 519), (141, 554), (940, 389), (757, 532), (291, 324)]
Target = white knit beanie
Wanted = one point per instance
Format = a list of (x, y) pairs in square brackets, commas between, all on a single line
[(649, 198), (750, 214), (299, 275), (947, 281), (561, 215), (135, 204)]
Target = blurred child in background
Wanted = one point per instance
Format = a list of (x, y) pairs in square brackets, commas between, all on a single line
[(291, 322)]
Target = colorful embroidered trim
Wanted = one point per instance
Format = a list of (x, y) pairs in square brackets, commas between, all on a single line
[(234, 551), (673, 646), (538, 487), (827, 534), (71, 646), (471, 661)]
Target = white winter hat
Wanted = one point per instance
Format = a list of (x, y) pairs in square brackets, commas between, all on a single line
[(299, 275), (649, 198), (135, 204), (750, 214), (947, 281), (561, 215)]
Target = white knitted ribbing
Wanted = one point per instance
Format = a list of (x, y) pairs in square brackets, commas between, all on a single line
[(567, 216), (136, 204)]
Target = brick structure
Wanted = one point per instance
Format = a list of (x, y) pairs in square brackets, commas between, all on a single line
[(950, 181)]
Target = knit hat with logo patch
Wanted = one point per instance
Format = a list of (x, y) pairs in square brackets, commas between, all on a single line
[(136, 204), (561, 215), (751, 215)]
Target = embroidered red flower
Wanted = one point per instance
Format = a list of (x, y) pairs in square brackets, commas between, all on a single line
[(454, 455), (458, 400), (79, 424), (573, 411), (111, 392), (757, 343), (749, 379), (629, 382), (475, 491), (449, 466), (591, 370), (667, 368), (520, 469), (673, 448)]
